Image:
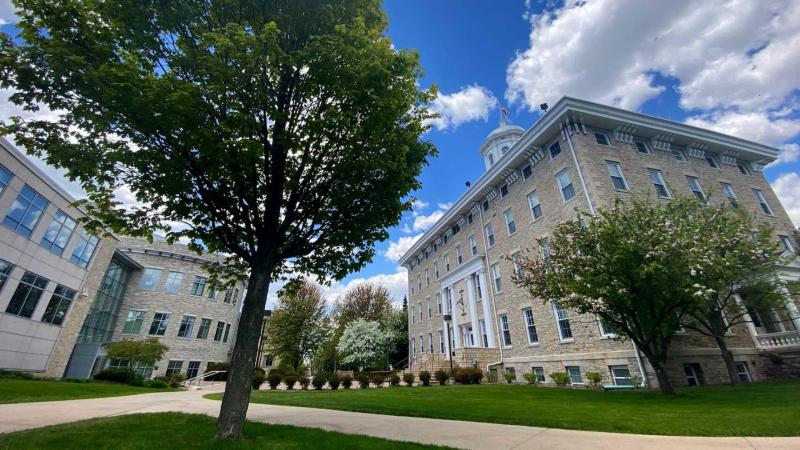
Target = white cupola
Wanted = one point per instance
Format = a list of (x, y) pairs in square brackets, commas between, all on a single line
[(500, 141)]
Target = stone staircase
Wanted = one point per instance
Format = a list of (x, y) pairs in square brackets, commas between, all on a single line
[(462, 357)]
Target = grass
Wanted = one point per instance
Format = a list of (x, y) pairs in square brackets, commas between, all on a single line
[(22, 391), (176, 430), (768, 409)]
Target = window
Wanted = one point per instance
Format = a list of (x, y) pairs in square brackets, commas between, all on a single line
[(413, 347), (491, 159), (448, 299), (678, 154), (694, 374), (205, 326), (469, 218), (133, 323), (159, 325), (712, 162), (530, 326), (219, 331), (602, 139), (5, 177), (743, 169), (727, 189), (150, 278), (419, 311), (513, 372), (58, 233), (173, 283), (427, 278), (694, 185), (511, 227), (430, 342), (227, 330), (84, 250), (187, 326), (26, 297), (439, 303), (485, 205), (484, 335), (574, 373), (436, 269), (498, 282), (26, 211), (527, 171), (641, 147), (786, 242), (554, 149), (743, 371), (503, 191), (473, 245), (459, 258), (59, 305), (268, 360), (413, 316), (565, 185), (536, 207), (447, 263), (421, 345), (212, 293), (538, 372), (478, 293), (546, 249), (621, 375), (504, 150), (562, 320), (199, 285), (441, 341), (489, 234), (515, 261), (428, 306), (419, 281), (605, 329), (192, 370), (617, 179), (658, 182), (5, 271), (504, 331), (762, 201), (173, 367)]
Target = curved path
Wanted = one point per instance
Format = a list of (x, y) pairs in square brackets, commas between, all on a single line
[(453, 433)]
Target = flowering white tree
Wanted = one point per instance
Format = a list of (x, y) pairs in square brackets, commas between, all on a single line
[(363, 342)]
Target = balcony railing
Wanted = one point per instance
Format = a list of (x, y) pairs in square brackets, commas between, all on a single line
[(782, 339)]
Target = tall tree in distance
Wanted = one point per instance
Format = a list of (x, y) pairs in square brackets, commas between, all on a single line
[(366, 301), (284, 133)]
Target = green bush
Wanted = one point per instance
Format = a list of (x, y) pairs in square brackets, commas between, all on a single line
[(274, 379), (176, 379), (347, 381), (490, 378), (363, 379), (377, 379), (408, 379), (304, 382), (394, 380), (441, 376), (139, 382), (290, 379), (561, 379), (595, 378), (333, 381), (121, 376), (258, 379), (15, 375), (510, 377), (469, 375), (214, 366), (318, 381), (530, 378), (425, 378), (280, 371), (157, 384)]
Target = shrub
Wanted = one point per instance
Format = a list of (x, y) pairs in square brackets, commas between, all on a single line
[(274, 379), (510, 377), (394, 380), (258, 379), (425, 378), (347, 381), (561, 379), (290, 379), (280, 371), (469, 375), (530, 377), (157, 384), (378, 379), (16, 375), (139, 382), (363, 380), (176, 379), (408, 379), (333, 381), (441, 376), (318, 381), (490, 378), (595, 378), (636, 381), (214, 366), (304, 382), (121, 376)]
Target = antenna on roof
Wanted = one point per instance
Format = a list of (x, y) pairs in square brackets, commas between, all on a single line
[(544, 107), (503, 116), (468, 184)]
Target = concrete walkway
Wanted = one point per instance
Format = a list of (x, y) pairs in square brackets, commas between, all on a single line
[(453, 433)]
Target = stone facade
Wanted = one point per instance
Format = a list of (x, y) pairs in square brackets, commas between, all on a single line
[(459, 259)]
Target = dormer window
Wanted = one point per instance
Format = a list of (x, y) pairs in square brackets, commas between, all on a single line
[(602, 139), (504, 149), (554, 149)]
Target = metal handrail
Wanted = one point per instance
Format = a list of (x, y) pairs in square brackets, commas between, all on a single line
[(203, 377)]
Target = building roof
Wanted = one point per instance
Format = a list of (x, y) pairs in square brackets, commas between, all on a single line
[(576, 111)]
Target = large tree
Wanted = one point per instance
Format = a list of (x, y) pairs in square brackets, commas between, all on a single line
[(283, 133), (365, 300), (364, 342)]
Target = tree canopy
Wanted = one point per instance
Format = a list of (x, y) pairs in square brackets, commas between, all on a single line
[(363, 342)]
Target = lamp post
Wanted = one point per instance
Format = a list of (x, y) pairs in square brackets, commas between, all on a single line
[(447, 319)]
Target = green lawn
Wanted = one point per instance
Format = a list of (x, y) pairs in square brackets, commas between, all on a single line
[(769, 409), (21, 391), (175, 430)]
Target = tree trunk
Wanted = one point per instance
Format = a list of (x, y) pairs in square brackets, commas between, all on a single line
[(233, 412), (727, 356), (664, 384)]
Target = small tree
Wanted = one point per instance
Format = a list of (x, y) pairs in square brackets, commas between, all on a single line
[(137, 353), (299, 324), (363, 342), (366, 301)]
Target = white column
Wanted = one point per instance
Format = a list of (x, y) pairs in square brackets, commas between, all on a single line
[(473, 311), (447, 339), (456, 330), (792, 307), (488, 319)]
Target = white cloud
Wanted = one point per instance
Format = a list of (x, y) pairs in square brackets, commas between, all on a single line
[(471, 103), (396, 283), (789, 153), (754, 126), (787, 188), (7, 11), (399, 247), (423, 222)]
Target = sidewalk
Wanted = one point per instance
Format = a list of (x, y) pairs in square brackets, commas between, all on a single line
[(453, 433)]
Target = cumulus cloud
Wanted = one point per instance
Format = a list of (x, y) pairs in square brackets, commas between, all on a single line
[(471, 103), (789, 153), (787, 188), (754, 126), (399, 247), (7, 12), (422, 222)]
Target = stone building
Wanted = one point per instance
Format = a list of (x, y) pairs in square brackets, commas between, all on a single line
[(582, 156), (64, 293)]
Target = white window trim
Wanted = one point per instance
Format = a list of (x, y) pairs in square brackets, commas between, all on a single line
[(606, 136), (646, 147), (621, 175), (525, 324), (538, 203), (508, 224), (561, 188), (663, 182), (561, 150), (558, 326), (603, 334)]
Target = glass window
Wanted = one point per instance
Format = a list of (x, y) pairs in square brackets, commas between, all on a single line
[(436, 269), (447, 263), (187, 326), (212, 293), (227, 330), (527, 171), (605, 329), (58, 233), (743, 169), (192, 370), (26, 297), (503, 191), (441, 341), (530, 326), (565, 185), (678, 154), (574, 373), (641, 147), (485, 206), (498, 281), (504, 331), (221, 329), (419, 311), (743, 371), (199, 285), (694, 374), (562, 320), (617, 179), (484, 335), (728, 190), (658, 182), (26, 211), (511, 227), (427, 278), (762, 201), (99, 325), (5, 177), (59, 305), (5, 271), (539, 373), (268, 360), (786, 242), (430, 342), (533, 203), (554, 149), (428, 306), (469, 221), (601, 139), (150, 278), (133, 323), (174, 367), (159, 325), (621, 375), (694, 185), (473, 245), (173, 283), (205, 326), (84, 250), (439, 303), (489, 234), (491, 159), (712, 162), (459, 258)]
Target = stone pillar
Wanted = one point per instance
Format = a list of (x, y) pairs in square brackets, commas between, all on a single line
[(488, 319), (473, 311)]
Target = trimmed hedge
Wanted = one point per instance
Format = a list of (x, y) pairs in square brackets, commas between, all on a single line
[(469, 375), (333, 381), (425, 378), (408, 379), (441, 376), (347, 381)]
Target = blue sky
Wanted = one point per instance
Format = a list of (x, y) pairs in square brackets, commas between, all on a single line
[(729, 65)]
